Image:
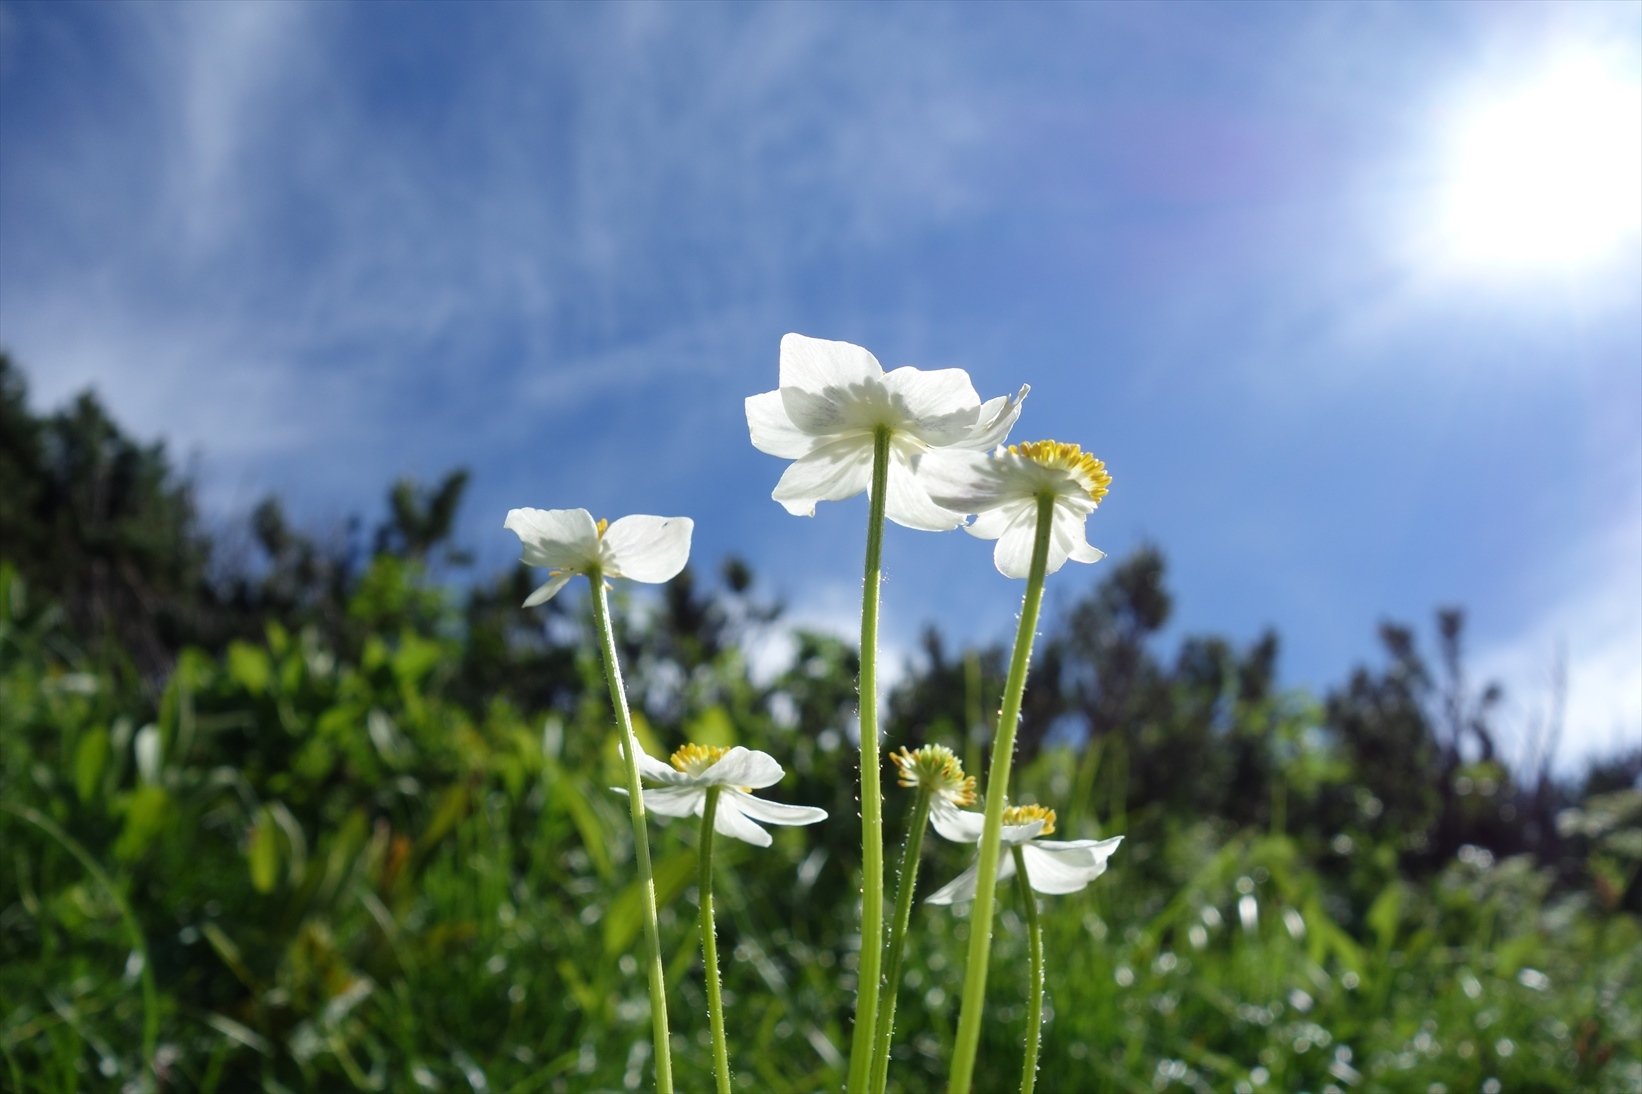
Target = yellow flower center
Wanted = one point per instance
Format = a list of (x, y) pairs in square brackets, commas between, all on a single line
[(1088, 472), (935, 767), (1026, 814), (694, 759)]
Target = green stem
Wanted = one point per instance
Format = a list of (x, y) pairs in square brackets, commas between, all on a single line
[(151, 1005), (1034, 999), (872, 806), (641, 839), (709, 944), (907, 882), (997, 789)]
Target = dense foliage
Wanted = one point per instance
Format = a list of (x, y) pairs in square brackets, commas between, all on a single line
[(304, 813)]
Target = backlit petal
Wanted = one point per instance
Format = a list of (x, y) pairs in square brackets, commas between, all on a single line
[(743, 767), (959, 888), (548, 589), (1060, 871), (939, 405), (1013, 554), (657, 771), (773, 430), (963, 481), (774, 812), (646, 548), (909, 504), (675, 801), (996, 418), (964, 826), (815, 364), (559, 539), (730, 821), (833, 472)]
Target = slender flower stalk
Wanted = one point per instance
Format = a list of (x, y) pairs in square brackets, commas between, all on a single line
[(997, 786), (1034, 992), (937, 775), (643, 548), (641, 840), (709, 943), (872, 802)]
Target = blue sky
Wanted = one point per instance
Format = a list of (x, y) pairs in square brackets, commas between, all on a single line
[(318, 246)]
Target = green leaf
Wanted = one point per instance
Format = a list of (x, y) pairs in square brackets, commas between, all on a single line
[(89, 760), (264, 853), (1384, 914), (713, 729), (249, 667), (626, 915), (570, 795), (147, 811)]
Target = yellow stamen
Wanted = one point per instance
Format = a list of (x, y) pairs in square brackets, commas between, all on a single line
[(603, 524), (694, 759), (1026, 814), (936, 767), (1089, 472)]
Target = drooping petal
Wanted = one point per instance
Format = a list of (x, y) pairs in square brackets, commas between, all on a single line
[(646, 548), (959, 888), (964, 826), (773, 430), (559, 539), (815, 364), (938, 406), (1013, 554), (963, 481), (908, 503), (835, 471), (674, 801), (996, 418), (656, 770), (773, 812), (1054, 870), (729, 820), (1070, 541), (548, 589), (1100, 848), (992, 523), (743, 767)]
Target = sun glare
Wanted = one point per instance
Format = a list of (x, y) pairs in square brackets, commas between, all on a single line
[(1551, 175)]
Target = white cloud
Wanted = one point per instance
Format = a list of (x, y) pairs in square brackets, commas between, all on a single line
[(1597, 627)]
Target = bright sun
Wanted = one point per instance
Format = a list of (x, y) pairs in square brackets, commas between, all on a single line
[(1551, 175)]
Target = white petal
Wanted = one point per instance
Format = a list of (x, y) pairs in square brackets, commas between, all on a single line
[(992, 523), (743, 767), (995, 420), (548, 589), (964, 826), (645, 548), (815, 364), (675, 801), (1013, 554), (833, 472), (1056, 872), (939, 406), (730, 821), (1101, 848), (773, 812), (559, 539), (773, 430), (957, 825), (959, 888), (909, 504), (652, 768), (962, 481), (834, 411)]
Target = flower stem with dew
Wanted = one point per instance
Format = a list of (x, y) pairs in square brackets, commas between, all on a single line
[(997, 789), (1034, 997), (709, 943), (641, 840), (907, 882), (872, 805)]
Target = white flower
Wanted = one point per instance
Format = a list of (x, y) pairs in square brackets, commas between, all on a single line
[(1052, 866), (834, 397), (736, 770), (568, 542), (1003, 491)]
